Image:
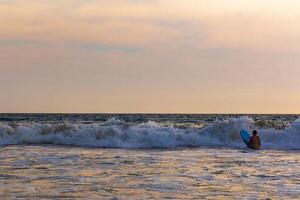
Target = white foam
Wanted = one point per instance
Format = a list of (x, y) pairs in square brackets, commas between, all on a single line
[(118, 134)]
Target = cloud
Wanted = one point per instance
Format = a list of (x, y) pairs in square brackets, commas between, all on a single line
[(103, 47), (20, 42), (147, 24)]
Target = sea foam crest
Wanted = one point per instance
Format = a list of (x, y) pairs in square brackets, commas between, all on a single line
[(119, 134)]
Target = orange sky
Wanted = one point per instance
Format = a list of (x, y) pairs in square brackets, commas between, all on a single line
[(169, 56)]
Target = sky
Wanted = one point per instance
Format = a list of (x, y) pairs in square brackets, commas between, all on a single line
[(150, 56)]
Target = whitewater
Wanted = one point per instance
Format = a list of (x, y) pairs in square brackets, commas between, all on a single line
[(116, 133), (140, 156)]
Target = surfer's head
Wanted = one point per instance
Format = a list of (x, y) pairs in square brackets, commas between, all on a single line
[(254, 132)]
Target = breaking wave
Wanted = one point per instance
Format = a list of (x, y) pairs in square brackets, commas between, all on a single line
[(115, 133)]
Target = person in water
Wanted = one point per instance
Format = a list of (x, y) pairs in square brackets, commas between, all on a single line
[(255, 141)]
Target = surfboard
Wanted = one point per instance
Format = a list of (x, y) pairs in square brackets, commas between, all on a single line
[(245, 136)]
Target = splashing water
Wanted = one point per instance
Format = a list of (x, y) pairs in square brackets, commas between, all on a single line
[(116, 133)]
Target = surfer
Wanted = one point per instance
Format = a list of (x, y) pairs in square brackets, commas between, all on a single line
[(255, 141)]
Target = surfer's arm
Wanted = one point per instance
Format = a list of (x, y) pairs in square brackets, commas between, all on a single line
[(251, 141)]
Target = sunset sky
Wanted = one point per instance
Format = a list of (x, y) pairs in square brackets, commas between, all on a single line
[(150, 56)]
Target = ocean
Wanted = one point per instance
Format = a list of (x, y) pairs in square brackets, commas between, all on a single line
[(148, 156)]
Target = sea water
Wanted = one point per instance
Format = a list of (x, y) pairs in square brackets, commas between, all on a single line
[(102, 156)]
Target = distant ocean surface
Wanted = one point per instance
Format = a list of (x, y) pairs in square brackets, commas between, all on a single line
[(148, 156)]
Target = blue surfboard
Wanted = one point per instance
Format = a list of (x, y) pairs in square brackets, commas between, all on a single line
[(245, 136)]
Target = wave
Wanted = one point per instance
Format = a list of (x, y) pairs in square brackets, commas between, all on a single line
[(115, 133)]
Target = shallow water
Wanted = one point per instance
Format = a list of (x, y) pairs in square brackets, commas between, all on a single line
[(62, 172)]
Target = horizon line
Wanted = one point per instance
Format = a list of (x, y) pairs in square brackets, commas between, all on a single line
[(143, 113)]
